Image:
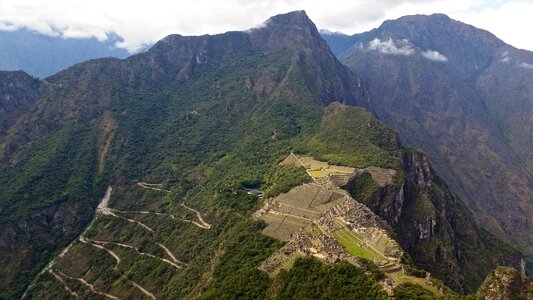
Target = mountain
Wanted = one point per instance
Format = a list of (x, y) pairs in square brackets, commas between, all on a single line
[(139, 178), (41, 55), (337, 41), (18, 93), (466, 99)]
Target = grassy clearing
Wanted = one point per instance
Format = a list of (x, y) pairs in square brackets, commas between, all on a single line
[(314, 229), (318, 173), (351, 241), (351, 246)]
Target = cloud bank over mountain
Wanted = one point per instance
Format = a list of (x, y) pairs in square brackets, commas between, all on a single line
[(141, 22), (434, 56), (390, 47)]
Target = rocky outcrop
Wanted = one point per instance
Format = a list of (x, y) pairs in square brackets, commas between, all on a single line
[(18, 90), (505, 283)]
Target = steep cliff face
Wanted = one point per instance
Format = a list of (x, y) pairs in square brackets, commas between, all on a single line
[(505, 283), (433, 226), (296, 31), (18, 91)]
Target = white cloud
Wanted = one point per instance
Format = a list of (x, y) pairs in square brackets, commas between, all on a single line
[(505, 57), (389, 47), (434, 56), (140, 22), (508, 20), (511, 21), (403, 47), (526, 66)]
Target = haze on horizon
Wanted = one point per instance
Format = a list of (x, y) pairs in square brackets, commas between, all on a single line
[(142, 22)]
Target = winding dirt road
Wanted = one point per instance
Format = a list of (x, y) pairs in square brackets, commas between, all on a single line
[(115, 256), (90, 286), (153, 186), (71, 292), (104, 209), (169, 253), (174, 264), (203, 224)]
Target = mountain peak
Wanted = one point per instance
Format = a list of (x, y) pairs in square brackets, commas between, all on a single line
[(432, 17), (293, 18), (432, 26), (288, 30), (464, 47)]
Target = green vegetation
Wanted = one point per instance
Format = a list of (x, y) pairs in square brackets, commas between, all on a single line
[(370, 267), (352, 137), (58, 169), (177, 136), (363, 187), (53, 175), (311, 279), (315, 229), (482, 147), (284, 178), (409, 291), (422, 197), (351, 243)]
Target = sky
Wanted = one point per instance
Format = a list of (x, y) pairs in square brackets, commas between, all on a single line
[(142, 22)]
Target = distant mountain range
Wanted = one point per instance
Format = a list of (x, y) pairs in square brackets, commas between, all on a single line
[(464, 97), (42, 55)]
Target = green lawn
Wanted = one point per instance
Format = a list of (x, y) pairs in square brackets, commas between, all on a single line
[(315, 229), (351, 246), (351, 240)]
